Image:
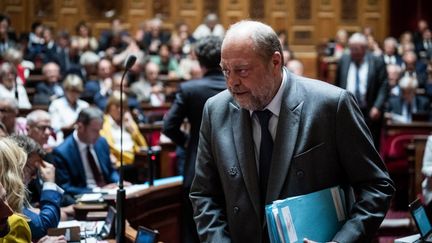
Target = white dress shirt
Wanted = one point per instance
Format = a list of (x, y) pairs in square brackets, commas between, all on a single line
[(63, 114), (274, 106), (82, 147), (351, 80), (23, 100)]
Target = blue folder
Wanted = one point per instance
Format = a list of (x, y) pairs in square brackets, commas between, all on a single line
[(317, 216)]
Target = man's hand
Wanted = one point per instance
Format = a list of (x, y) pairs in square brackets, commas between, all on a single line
[(374, 113), (47, 172)]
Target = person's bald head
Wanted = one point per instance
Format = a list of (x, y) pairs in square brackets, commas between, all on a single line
[(263, 38)]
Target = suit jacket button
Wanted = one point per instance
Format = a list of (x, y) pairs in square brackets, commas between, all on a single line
[(300, 173), (236, 210), (233, 171)]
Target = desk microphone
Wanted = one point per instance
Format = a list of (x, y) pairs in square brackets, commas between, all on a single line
[(121, 192)]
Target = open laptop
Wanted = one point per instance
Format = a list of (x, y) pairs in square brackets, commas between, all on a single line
[(100, 229), (421, 219)]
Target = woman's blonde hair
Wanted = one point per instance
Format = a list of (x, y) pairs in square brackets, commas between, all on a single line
[(12, 162), (114, 99)]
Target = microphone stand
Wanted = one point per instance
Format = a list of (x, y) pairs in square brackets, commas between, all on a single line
[(121, 192)]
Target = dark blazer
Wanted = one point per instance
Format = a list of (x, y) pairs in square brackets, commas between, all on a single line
[(49, 215), (376, 90), (189, 103), (44, 93), (321, 141), (70, 173)]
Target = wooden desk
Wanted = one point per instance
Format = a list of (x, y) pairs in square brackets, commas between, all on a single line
[(157, 207)]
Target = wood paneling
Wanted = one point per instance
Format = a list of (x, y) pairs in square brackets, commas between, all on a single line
[(307, 22)]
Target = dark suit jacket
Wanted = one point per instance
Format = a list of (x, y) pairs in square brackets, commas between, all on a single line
[(189, 103), (70, 173), (376, 90), (321, 141)]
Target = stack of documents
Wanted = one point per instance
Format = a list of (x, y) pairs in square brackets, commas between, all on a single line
[(317, 216)]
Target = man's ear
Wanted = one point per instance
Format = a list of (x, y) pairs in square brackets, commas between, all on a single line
[(277, 60)]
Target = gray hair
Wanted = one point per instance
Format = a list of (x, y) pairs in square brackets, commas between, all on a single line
[(391, 40), (88, 114), (11, 102), (358, 38), (264, 38), (36, 115), (88, 58)]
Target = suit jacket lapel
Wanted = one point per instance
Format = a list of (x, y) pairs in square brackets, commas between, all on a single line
[(285, 141), (242, 133)]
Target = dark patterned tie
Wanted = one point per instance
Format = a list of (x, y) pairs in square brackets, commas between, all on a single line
[(266, 150), (100, 182)]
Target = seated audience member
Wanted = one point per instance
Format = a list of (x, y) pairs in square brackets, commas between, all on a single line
[(65, 110), (101, 100), (48, 213), (168, 65), (84, 40), (9, 87), (89, 65), (210, 26), (189, 67), (154, 37), (49, 90), (133, 140), (15, 57), (83, 160), (39, 129), (150, 89), (414, 68), (390, 55), (103, 84), (295, 66), (12, 162), (6, 41), (408, 103), (393, 76), (8, 114)]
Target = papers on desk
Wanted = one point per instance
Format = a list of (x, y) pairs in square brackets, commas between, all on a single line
[(91, 198), (317, 216)]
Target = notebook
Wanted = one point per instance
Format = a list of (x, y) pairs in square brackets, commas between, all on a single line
[(421, 219)]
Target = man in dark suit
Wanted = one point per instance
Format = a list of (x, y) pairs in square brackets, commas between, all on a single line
[(312, 137), (402, 108), (364, 76), (390, 55), (83, 160), (189, 103)]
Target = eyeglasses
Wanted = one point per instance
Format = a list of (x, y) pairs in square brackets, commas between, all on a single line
[(44, 128)]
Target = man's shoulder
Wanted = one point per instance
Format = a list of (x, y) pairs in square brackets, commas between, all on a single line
[(66, 146), (203, 82)]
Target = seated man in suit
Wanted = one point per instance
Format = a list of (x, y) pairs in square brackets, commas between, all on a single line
[(83, 159), (402, 108)]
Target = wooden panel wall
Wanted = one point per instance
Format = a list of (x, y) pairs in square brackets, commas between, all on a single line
[(307, 22)]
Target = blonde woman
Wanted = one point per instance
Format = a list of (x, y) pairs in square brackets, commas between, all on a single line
[(133, 140), (12, 161)]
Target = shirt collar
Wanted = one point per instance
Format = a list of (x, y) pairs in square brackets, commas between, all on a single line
[(81, 144), (275, 104)]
